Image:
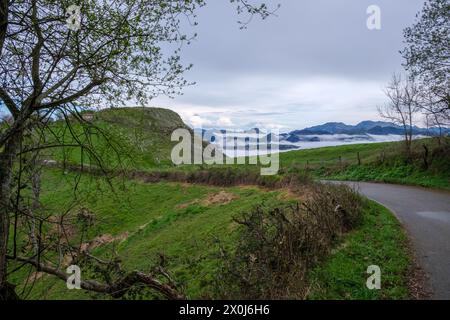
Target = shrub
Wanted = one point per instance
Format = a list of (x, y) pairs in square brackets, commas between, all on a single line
[(278, 245)]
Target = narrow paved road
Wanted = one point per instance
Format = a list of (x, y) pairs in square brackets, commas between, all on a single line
[(425, 214)]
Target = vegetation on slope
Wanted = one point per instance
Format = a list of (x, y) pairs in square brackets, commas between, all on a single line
[(177, 220), (186, 218), (428, 164), (139, 139), (118, 137), (189, 226), (381, 241)]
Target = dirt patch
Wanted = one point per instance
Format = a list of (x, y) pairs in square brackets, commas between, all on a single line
[(301, 195), (102, 240), (223, 197), (36, 276), (418, 281), (94, 243), (219, 198), (142, 227), (186, 204), (418, 284), (249, 187), (63, 226), (288, 195)]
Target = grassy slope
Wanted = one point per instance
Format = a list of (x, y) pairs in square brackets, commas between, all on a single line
[(329, 156), (379, 241), (151, 215), (155, 222), (141, 136), (341, 163)]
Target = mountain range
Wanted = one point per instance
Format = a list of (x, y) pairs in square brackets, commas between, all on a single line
[(363, 128)]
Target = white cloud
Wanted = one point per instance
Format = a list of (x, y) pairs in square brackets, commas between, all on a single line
[(197, 121), (282, 103), (224, 122), (314, 62)]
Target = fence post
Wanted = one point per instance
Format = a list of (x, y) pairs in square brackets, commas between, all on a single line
[(359, 158), (340, 161)]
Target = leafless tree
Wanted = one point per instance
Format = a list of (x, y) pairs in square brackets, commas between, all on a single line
[(403, 106)]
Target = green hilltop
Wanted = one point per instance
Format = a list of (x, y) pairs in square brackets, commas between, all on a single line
[(139, 137), (148, 119)]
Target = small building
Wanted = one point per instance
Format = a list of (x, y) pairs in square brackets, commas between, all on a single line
[(88, 116)]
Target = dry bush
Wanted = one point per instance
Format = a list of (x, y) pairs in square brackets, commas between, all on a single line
[(225, 177), (278, 245)]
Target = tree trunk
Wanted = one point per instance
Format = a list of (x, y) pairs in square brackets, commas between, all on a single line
[(36, 191), (425, 157), (3, 22), (6, 169)]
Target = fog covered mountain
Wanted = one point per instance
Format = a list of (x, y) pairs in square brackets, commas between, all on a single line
[(328, 134), (361, 131)]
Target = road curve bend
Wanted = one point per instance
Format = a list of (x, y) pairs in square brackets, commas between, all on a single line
[(425, 214)]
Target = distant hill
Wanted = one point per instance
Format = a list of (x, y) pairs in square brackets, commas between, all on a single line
[(361, 129), (153, 120), (141, 135), (342, 128), (367, 125)]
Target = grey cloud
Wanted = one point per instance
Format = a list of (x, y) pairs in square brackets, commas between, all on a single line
[(315, 61)]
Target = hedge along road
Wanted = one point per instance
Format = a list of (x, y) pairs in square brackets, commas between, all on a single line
[(425, 214)]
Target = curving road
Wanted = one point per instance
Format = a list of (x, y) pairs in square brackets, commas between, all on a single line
[(425, 214)]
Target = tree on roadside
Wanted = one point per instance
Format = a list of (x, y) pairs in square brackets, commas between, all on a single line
[(121, 51), (403, 106), (427, 57)]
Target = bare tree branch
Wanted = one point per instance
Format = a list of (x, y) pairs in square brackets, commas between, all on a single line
[(117, 289)]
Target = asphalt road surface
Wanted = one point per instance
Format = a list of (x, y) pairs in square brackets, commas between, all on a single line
[(425, 214)]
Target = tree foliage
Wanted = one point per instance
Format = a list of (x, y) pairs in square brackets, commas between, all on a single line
[(123, 51), (427, 55)]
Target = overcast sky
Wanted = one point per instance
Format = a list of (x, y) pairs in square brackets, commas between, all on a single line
[(314, 62)]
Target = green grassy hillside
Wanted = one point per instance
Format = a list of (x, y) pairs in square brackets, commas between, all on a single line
[(131, 137), (341, 274), (139, 138), (135, 221), (382, 162), (180, 221)]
